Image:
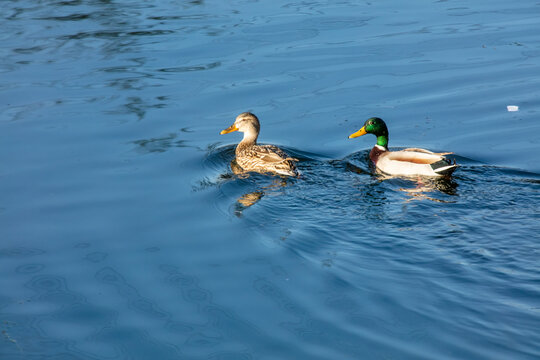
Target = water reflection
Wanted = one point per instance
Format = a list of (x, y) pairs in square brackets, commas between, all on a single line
[(423, 189), (251, 198), (235, 178), (420, 188)]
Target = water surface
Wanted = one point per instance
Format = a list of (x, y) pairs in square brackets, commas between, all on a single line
[(125, 233)]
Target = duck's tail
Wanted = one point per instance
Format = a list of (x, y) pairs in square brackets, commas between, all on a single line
[(289, 172), (444, 167)]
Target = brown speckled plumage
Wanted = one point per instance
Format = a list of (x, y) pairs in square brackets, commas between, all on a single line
[(259, 158)]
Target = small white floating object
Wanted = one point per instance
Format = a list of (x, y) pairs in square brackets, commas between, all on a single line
[(512, 108)]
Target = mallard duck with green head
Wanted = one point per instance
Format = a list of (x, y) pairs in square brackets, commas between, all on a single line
[(407, 162), (259, 158)]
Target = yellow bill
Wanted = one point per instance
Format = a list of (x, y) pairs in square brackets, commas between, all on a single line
[(360, 132), (229, 129)]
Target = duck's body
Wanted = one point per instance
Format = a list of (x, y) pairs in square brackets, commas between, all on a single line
[(408, 162), (259, 158), (265, 158), (411, 162)]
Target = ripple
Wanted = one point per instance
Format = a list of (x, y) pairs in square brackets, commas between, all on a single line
[(83, 245), (322, 207), (180, 279), (135, 301), (230, 356), (161, 144), (191, 292), (218, 325), (20, 252), (29, 268), (30, 50), (181, 69), (338, 263), (47, 283), (181, 17), (71, 17), (114, 34), (96, 257)]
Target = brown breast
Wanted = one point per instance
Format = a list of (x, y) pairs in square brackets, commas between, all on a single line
[(375, 153)]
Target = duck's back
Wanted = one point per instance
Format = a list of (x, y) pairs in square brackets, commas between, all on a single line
[(265, 158)]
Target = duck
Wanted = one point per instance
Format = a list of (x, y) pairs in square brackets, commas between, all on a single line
[(409, 162), (259, 158)]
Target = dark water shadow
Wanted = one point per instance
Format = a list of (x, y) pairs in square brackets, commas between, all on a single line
[(163, 143)]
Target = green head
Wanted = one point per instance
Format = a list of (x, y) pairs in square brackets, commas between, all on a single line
[(375, 126)]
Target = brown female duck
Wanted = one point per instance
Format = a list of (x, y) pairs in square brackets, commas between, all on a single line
[(259, 158)]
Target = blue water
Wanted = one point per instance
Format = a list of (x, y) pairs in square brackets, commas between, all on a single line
[(126, 235)]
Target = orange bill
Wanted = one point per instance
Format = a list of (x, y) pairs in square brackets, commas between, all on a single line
[(360, 132), (229, 129)]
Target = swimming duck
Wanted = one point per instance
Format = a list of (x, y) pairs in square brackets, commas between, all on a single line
[(408, 162), (259, 158)]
